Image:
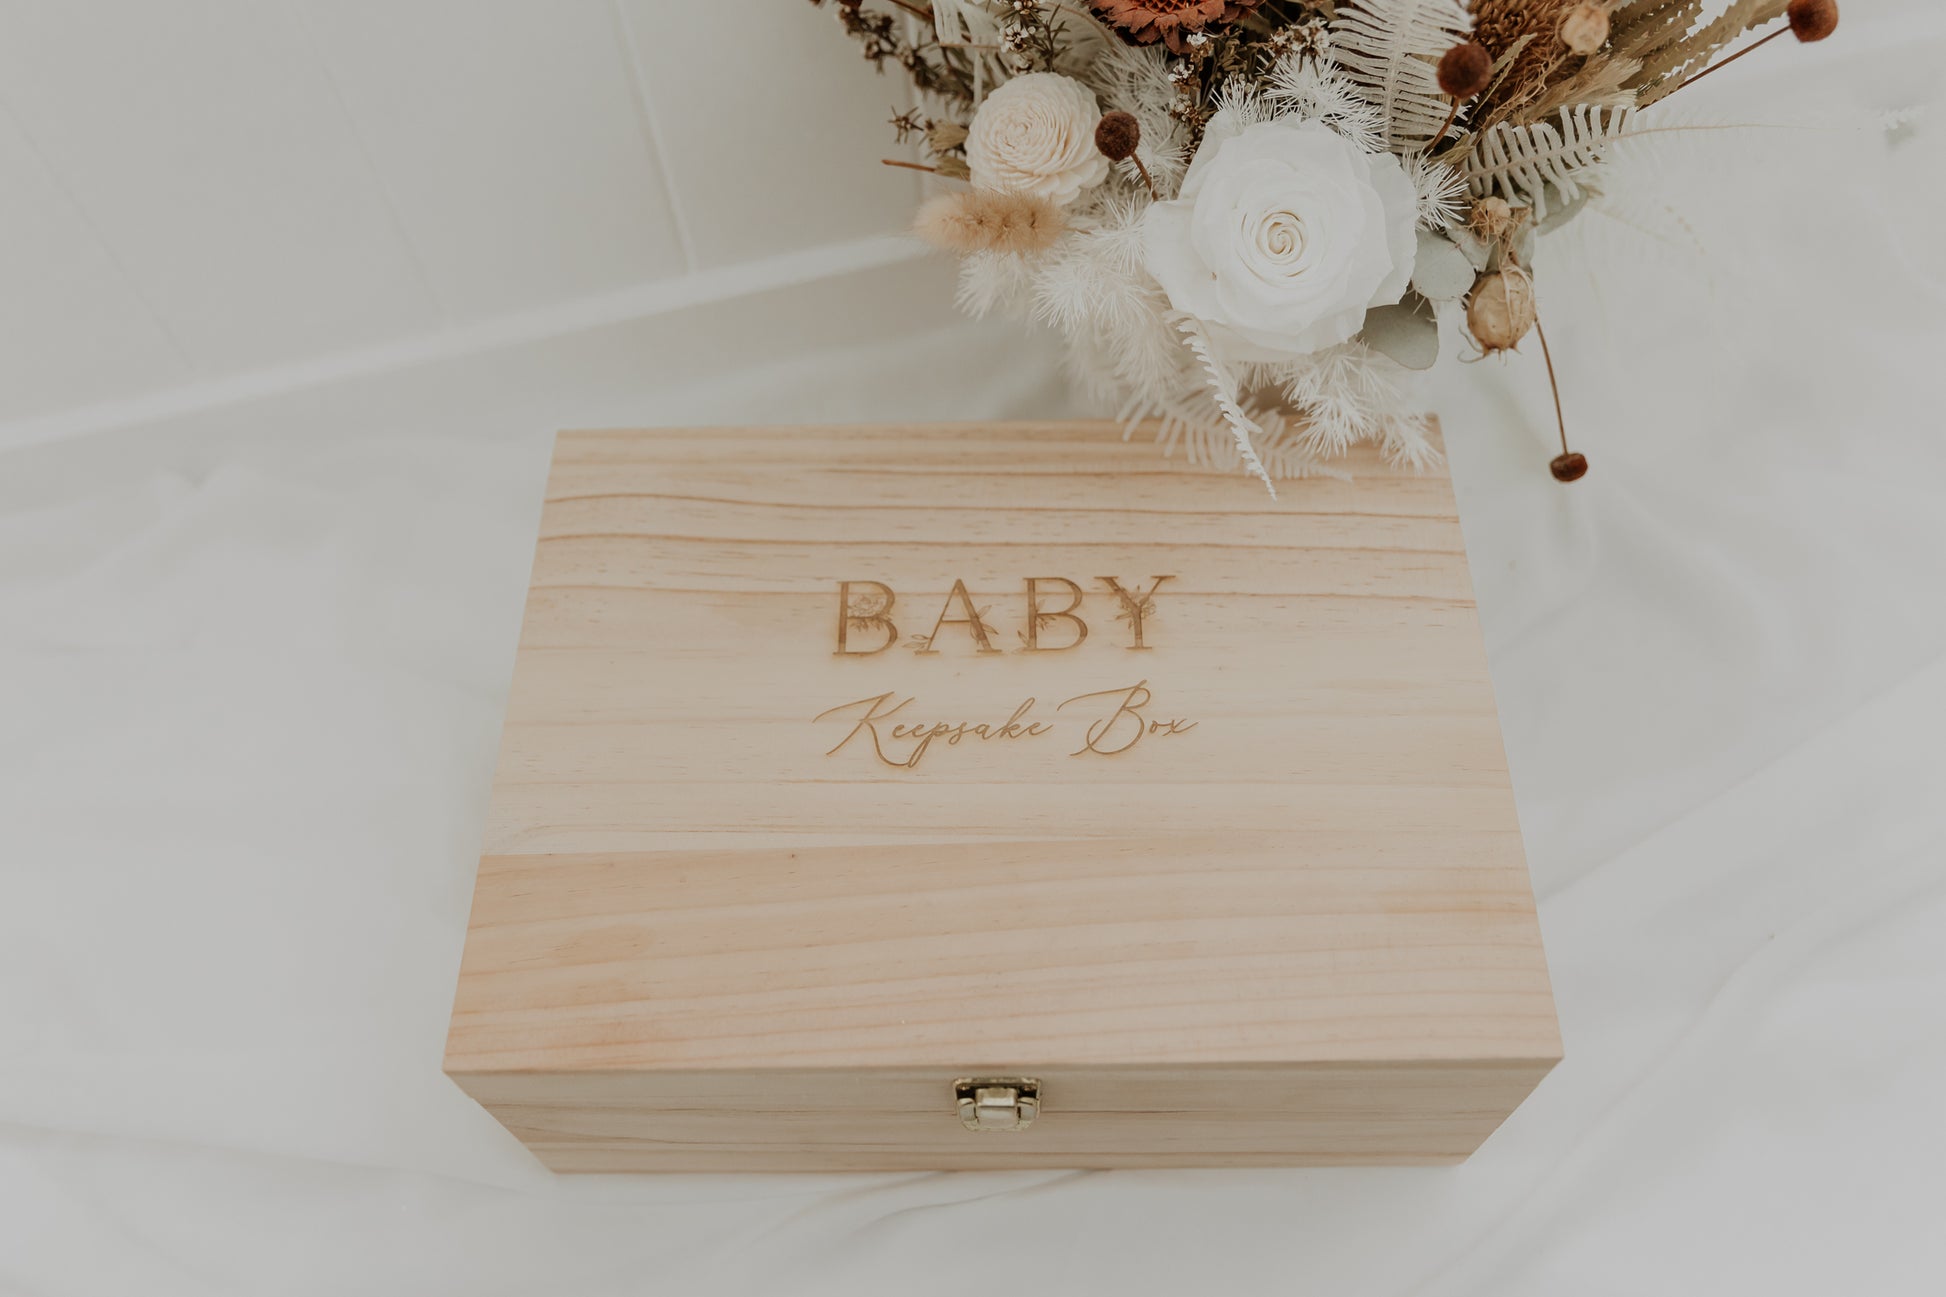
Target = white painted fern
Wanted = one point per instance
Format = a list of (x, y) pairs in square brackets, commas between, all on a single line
[(1317, 90), (1223, 388), (1387, 49), (1541, 162)]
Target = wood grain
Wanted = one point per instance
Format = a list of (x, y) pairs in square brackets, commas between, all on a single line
[(1097, 1118), (1299, 930)]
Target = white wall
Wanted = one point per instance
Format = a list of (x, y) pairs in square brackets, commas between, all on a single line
[(200, 189)]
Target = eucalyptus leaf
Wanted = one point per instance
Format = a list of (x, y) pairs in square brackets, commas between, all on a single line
[(1477, 251), (1561, 215), (1408, 332), (1441, 272), (1524, 243)]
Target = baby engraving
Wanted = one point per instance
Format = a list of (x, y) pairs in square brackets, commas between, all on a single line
[(1136, 609), (974, 619), (1040, 619), (1052, 620), (865, 606)]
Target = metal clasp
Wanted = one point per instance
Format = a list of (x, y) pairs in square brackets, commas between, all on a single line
[(997, 1102)]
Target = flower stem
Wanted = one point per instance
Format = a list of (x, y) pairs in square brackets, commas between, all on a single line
[(1548, 356), (1568, 466), (1553, 384), (1440, 136)]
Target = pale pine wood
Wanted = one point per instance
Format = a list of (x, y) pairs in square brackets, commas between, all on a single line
[(1301, 932), (782, 1120)]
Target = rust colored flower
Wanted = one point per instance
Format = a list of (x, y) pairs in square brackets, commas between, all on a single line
[(1813, 20), (1465, 70), (1170, 21)]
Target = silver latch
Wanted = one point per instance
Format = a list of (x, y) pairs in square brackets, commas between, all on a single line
[(997, 1102)]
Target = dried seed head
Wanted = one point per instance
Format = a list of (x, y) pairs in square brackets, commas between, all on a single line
[(1117, 134), (1500, 311), (1584, 27), (1571, 467), (1492, 218), (941, 136), (1813, 20), (1464, 70), (987, 220)]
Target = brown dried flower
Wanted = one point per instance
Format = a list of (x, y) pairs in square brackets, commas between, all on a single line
[(987, 220), (1465, 70), (1813, 20), (1117, 135), (1144, 22)]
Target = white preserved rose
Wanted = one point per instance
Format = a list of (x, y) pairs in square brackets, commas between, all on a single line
[(1035, 135), (1284, 235)]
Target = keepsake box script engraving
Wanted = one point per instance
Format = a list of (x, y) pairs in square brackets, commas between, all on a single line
[(1106, 722)]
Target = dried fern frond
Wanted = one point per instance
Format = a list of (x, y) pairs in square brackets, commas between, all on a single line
[(1631, 12), (1194, 426), (1315, 90), (1537, 163), (989, 281), (1223, 388), (1668, 67), (1284, 452), (1350, 393), (1602, 81), (1387, 48), (1094, 288), (1649, 26)]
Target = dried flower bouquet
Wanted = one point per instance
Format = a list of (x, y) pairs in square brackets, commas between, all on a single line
[(1246, 215)]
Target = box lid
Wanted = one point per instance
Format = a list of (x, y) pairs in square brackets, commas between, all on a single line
[(993, 747)]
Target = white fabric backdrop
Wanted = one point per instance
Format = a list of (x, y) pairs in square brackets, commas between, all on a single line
[(254, 657)]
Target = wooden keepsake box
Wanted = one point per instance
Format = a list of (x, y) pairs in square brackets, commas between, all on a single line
[(995, 796)]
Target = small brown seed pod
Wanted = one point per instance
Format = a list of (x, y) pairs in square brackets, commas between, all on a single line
[(1465, 70), (1584, 28), (1571, 467), (1500, 311), (1117, 134), (1813, 20)]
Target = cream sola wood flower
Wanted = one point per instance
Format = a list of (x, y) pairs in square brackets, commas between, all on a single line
[(1035, 135)]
